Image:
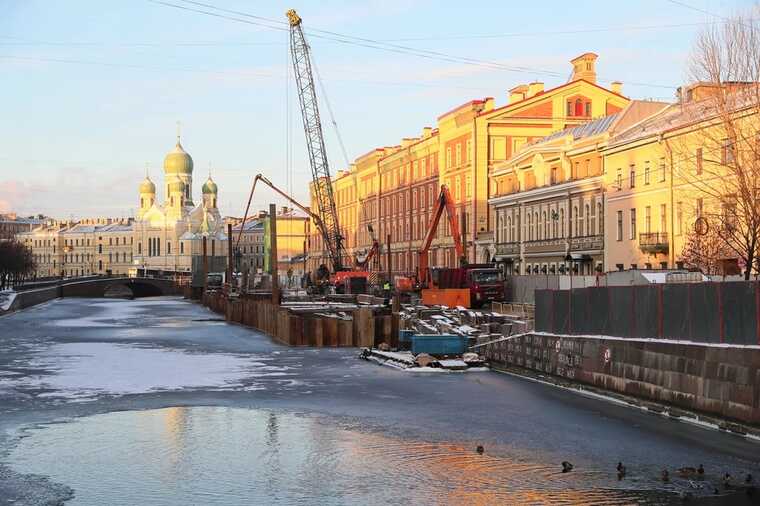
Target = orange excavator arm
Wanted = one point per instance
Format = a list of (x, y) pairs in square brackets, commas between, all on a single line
[(444, 201)]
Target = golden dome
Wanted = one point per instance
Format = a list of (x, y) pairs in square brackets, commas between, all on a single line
[(178, 161), (147, 186), (209, 186)]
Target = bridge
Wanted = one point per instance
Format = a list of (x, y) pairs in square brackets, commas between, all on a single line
[(100, 287)]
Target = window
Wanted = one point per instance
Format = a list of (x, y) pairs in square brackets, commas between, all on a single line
[(458, 154), (553, 178), (698, 158), (100, 248), (588, 219), (679, 218), (648, 219), (633, 224), (663, 217), (139, 248), (620, 225), (168, 248), (662, 169), (588, 109), (600, 222), (569, 108), (448, 157), (646, 173), (728, 152), (576, 232), (468, 150), (633, 176), (619, 179)]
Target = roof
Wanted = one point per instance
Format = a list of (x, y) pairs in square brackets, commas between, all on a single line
[(682, 114), (250, 226), (593, 127)]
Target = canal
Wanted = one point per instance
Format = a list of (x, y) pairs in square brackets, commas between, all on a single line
[(156, 401)]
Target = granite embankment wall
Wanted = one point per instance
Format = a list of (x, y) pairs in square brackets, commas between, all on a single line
[(30, 298), (361, 327), (719, 380)]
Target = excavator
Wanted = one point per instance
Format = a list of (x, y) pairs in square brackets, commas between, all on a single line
[(469, 285)]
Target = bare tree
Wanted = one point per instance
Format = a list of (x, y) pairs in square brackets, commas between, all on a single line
[(705, 250), (717, 155), (16, 263)]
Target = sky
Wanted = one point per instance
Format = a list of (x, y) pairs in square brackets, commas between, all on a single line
[(92, 91)]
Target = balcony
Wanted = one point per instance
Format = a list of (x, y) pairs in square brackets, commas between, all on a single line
[(507, 248), (654, 242), (587, 242), (545, 246)]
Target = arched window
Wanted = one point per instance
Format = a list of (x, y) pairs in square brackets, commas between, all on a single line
[(578, 107), (600, 219), (530, 228), (588, 220), (509, 229), (562, 223), (536, 226), (577, 223), (546, 226)]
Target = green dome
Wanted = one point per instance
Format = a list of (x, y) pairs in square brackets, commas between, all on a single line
[(178, 161), (177, 187), (147, 186), (209, 187)]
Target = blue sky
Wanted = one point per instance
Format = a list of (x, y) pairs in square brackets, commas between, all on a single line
[(92, 90)]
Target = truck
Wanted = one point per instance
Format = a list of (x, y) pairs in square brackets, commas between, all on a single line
[(483, 281)]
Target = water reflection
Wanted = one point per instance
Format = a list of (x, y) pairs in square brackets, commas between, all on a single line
[(201, 455)]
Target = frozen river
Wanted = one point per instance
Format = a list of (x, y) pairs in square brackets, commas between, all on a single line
[(155, 401)]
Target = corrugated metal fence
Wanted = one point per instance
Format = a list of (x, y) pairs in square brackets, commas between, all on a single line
[(703, 312)]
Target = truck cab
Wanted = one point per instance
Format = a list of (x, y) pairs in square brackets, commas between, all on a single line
[(485, 284)]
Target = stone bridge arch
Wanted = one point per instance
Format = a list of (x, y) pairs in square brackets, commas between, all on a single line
[(138, 287)]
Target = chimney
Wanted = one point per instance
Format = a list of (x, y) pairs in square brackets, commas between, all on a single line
[(584, 67), (518, 93), (535, 88), (427, 132), (616, 87), (284, 210), (406, 141)]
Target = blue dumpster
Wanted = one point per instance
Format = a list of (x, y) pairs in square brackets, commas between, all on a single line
[(405, 339), (438, 344)]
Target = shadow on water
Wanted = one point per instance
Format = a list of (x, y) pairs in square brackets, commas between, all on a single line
[(233, 456)]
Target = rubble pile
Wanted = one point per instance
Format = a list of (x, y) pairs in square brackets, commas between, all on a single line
[(477, 326)]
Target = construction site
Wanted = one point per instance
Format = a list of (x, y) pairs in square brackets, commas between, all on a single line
[(429, 319)]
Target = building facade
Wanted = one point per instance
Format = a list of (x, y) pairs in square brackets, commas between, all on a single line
[(460, 152), (548, 199), (168, 236)]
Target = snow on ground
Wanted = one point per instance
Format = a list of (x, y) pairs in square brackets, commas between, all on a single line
[(6, 299), (81, 370)]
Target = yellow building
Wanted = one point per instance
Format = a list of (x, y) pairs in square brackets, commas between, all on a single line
[(548, 199), (655, 176), (460, 152)]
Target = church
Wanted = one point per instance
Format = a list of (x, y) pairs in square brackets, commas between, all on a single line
[(168, 236)]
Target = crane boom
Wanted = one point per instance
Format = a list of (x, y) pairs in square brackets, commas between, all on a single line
[(315, 142)]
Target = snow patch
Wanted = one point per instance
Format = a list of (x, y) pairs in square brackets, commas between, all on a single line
[(84, 370)]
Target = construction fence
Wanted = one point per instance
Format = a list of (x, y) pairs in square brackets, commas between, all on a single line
[(521, 289), (726, 312)]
